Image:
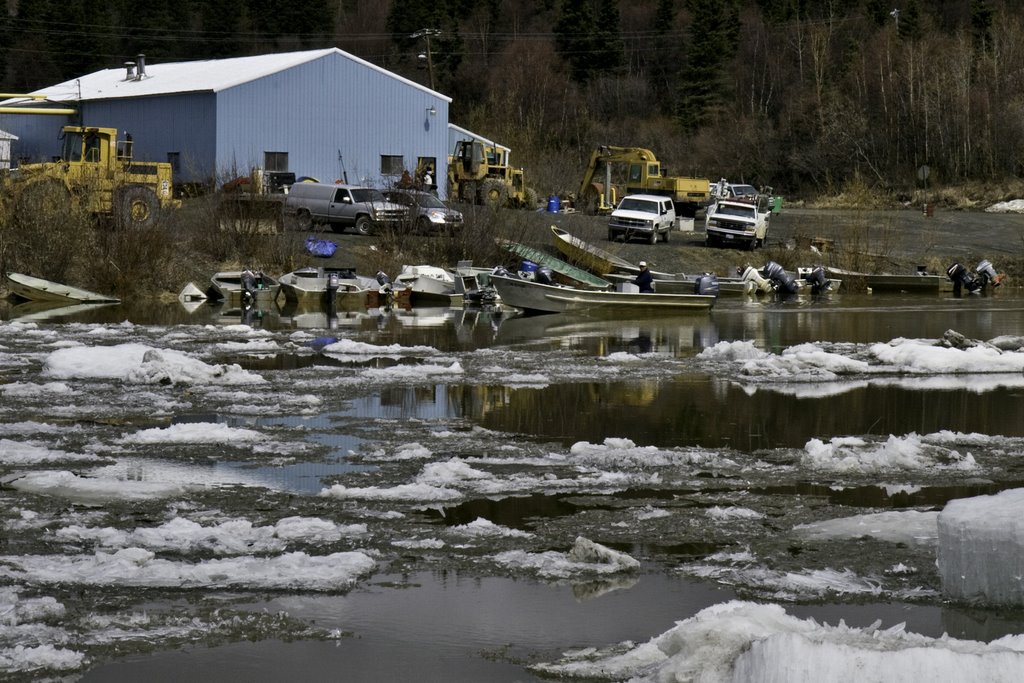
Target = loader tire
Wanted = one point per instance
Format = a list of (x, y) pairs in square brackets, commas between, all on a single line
[(493, 193), (136, 207)]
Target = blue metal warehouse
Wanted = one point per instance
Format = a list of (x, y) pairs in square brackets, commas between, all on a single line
[(319, 113)]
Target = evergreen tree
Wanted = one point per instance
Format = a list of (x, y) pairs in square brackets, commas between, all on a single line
[(661, 66), (573, 32), (878, 11), (407, 18), (712, 45), (981, 24), (609, 51), (909, 24)]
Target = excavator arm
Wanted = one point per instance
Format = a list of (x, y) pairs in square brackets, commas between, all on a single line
[(595, 196)]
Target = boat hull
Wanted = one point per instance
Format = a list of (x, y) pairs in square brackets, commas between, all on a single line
[(566, 272), (227, 285), (38, 289), (534, 297), (586, 255)]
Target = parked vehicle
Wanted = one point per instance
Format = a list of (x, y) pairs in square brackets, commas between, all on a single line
[(645, 176), (642, 215), (342, 206), (479, 173), (739, 223), (98, 170), (426, 213)]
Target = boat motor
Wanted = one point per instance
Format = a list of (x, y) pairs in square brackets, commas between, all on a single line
[(781, 281), (754, 282), (706, 284), (384, 281), (248, 282), (817, 280), (987, 274), (962, 279), (544, 276)]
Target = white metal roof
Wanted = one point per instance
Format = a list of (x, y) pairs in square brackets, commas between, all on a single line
[(212, 75), (470, 135), (4, 135)]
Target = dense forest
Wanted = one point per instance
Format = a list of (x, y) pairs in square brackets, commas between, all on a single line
[(804, 95)]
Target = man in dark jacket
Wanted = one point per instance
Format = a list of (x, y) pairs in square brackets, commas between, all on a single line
[(644, 279)]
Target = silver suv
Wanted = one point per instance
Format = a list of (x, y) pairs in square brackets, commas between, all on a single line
[(342, 206), (427, 213)]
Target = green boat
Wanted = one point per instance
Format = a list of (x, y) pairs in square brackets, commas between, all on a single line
[(575, 276)]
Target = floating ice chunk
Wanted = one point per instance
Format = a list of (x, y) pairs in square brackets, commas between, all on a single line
[(733, 512), (141, 364), (585, 557), (481, 528), (26, 453), (911, 527), (195, 432), (93, 489), (910, 452), (734, 350), (21, 659), (923, 356), (745, 642), (141, 568), (981, 548), (29, 389), (405, 372), (402, 492), (350, 347)]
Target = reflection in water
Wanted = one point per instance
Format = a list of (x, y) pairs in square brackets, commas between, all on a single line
[(697, 410)]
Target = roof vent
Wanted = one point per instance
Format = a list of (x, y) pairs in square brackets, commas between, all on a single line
[(130, 71), (140, 60)]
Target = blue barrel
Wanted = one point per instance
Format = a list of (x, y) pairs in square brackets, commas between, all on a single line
[(554, 204), (528, 267)]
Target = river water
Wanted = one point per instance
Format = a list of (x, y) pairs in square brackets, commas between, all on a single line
[(396, 494)]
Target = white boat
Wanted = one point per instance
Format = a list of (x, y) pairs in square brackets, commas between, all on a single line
[(38, 289), (228, 286), (427, 283), (534, 297)]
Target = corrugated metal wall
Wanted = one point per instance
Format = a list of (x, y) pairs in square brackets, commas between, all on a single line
[(38, 135), (184, 125), (334, 117)]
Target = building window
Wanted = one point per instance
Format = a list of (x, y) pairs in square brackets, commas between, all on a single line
[(174, 159), (391, 164), (275, 161)]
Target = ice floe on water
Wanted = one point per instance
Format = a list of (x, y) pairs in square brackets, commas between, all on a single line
[(140, 364), (30, 453), (826, 362), (896, 526), (231, 537), (743, 641), (350, 347), (195, 432), (859, 454), (142, 568), (585, 558)]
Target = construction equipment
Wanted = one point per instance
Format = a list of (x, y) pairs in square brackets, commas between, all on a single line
[(479, 173), (644, 176), (98, 170)]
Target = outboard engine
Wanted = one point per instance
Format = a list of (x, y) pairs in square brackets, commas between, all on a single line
[(962, 279), (817, 280), (754, 281), (502, 271), (706, 284), (248, 281), (544, 276), (781, 280), (384, 281), (987, 274)]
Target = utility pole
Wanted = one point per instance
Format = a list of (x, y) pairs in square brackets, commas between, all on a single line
[(426, 33)]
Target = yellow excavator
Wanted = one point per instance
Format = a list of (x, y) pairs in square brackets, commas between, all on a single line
[(644, 176)]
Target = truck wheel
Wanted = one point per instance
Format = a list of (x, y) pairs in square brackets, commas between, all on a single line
[(653, 239), (136, 207), (304, 220), (664, 237), (611, 235), (493, 193), (364, 226)]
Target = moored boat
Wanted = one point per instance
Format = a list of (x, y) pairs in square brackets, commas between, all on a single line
[(565, 272), (427, 283), (586, 255), (879, 283), (37, 289), (536, 297), (340, 287), (232, 286)]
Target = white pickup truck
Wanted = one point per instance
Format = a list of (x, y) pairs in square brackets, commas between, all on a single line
[(738, 223), (642, 215)]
